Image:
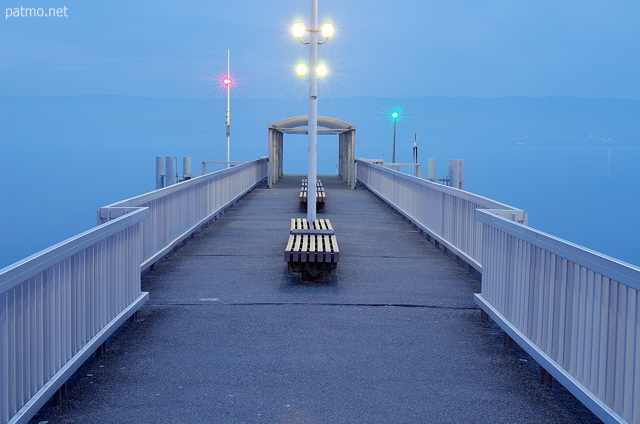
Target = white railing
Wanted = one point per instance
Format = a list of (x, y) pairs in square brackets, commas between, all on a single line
[(59, 305), (445, 213), (414, 169), (575, 311), (213, 166), (175, 212)]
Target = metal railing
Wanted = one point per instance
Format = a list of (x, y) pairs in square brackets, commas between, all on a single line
[(59, 305), (175, 212), (213, 166), (414, 169), (445, 213), (575, 311)]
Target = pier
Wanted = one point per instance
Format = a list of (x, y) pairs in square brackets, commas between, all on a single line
[(228, 336), (445, 307)]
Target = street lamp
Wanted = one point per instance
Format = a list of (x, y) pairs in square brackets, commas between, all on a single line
[(299, 32), (394, 116), (227, 81)]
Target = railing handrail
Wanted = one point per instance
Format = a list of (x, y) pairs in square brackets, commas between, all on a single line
[(227, 161), (108, 259), (14, 274), (230, 164), (616, 269), (156, 194), (458, 231), (177, 211), (574, 310), (391, 163), (467, 195), (59, 305)]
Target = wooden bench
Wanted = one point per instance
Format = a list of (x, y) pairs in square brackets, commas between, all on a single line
[(320, 195), (320, 199), (311, 253)]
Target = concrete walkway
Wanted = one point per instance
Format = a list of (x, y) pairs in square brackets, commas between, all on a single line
[(229, 337)]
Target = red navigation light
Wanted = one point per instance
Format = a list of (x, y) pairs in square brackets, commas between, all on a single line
[(227, 81)]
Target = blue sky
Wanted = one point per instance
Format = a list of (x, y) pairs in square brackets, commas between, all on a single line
[(415, 48), (388, 50)]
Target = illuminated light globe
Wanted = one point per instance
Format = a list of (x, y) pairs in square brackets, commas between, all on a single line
[(321, 70), (227, 81), (327, 31), (298, 30), (395, 115), (301, 69)]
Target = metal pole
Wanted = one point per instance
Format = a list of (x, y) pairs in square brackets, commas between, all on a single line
[(456, 173), (393, 155), (170, 175), (313, 113), (186, 167), (159, 172), (228, 117), (416, 171), (432, 169)]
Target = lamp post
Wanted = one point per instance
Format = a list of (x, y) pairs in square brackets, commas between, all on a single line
[(394, 116), (227, 82), (327, 32)]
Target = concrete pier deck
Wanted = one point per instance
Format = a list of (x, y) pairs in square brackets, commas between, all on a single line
[(229, 337)]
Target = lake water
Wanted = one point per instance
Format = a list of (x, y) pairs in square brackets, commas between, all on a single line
[(63, 158)]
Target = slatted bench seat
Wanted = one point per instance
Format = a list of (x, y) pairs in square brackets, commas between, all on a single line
[(311, 252), (321, 196), (305, 182), (320, 199)]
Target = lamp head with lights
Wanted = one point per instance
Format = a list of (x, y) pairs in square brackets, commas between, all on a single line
[(321, 71), (299, 30), (302, 70), (327, 31)]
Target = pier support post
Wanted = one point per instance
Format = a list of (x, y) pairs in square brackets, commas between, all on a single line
[(170, 175), (507, 340), (546, 378), (456, 173), (431, 169), (159, 172), (186, 168)]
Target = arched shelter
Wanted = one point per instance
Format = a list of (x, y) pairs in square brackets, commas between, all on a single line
[(298, 125)]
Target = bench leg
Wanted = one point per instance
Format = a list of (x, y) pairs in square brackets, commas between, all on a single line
[(313, 271)]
